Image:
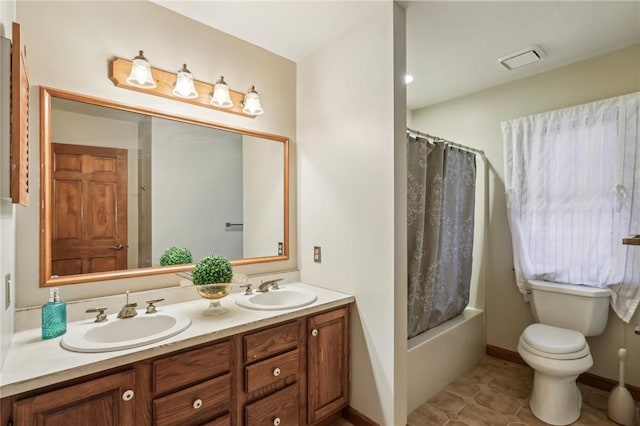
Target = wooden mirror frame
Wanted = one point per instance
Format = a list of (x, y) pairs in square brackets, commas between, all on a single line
[(46, 280)]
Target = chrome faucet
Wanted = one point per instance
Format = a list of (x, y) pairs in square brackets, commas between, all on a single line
[(264, 285), (128, 310)]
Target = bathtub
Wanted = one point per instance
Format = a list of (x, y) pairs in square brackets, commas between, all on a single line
[(438, 356)]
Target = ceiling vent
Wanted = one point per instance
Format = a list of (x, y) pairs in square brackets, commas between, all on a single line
[(522, 57)]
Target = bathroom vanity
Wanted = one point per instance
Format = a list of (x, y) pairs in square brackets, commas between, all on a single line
[(252, 368)]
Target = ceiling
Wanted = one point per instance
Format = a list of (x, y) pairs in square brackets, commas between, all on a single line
[(292, 29), (452, 46)]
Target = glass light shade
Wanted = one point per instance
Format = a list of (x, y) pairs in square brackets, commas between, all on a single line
[(220, 96), (251, 104), (140, 75), (184, 87)]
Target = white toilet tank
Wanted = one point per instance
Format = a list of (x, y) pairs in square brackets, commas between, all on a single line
[(576, 307)]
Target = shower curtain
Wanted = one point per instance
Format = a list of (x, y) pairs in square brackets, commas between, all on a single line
[(440, 210)]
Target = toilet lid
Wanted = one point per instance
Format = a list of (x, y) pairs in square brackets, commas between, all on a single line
[(553, 340)]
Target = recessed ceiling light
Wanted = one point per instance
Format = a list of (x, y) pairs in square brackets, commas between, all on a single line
[(408, 78), (521, 57)]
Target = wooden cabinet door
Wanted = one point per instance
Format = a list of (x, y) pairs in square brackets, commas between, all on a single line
[(328, 363), (99, 402)]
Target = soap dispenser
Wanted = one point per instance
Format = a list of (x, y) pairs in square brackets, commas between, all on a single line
[(54, 316)]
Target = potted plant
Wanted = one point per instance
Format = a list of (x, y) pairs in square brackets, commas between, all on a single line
[(212, 277), (176, 256), (212, 270)]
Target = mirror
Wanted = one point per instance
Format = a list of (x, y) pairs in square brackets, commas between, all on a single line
[(121, 184)]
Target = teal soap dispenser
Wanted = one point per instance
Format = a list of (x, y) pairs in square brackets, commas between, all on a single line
[(54, 316)]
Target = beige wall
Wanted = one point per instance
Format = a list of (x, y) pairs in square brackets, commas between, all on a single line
[(262, 196), (7, 16), (401, 366), (214, 186), (474, 120), (347, 195), (69, 46)]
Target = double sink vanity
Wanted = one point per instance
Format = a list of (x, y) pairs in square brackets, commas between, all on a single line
[(274, 357), (278, 356)]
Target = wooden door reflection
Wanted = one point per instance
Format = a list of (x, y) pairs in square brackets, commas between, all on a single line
[(89, 209)]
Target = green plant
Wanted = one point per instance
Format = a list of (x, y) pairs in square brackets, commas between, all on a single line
[(212, 270), (176, 256)]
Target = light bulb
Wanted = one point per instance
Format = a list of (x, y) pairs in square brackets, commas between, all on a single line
[(251, 104), (220, 96), (184, 87), (140, 75)]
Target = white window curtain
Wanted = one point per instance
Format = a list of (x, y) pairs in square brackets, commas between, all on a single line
[(572, 180)]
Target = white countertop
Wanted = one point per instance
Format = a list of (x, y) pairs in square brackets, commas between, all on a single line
[(32, 362)]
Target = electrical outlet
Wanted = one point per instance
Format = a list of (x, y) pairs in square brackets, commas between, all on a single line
[(280, 249), (317, 254)]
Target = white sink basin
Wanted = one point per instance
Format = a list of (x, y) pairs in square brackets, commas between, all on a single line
[(275, 300), (116, 334)]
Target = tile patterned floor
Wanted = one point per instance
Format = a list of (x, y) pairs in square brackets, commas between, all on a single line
[(495, 392)]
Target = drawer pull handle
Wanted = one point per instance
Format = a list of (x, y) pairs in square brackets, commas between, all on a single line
[(314, 332), (127, 395), (197, 403), (276, 372), (276, 421)]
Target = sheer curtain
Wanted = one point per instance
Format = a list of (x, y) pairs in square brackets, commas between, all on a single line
[(440, 207), (572, 180)]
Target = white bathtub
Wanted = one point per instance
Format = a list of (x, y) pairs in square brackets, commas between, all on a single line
[(439, 355)]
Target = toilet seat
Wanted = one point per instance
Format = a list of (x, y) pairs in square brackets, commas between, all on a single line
[(554, 342)]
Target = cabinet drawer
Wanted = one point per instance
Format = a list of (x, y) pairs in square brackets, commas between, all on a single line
[(178, 370), (194, 405), (271, 341), (282, 405), (220, 421), (271, 370)]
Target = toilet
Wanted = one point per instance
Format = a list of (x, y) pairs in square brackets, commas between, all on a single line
[(555, 347)]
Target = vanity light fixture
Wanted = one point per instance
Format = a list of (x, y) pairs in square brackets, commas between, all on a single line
[(140, 75), (251, 104), (184, 87), (220, 96)]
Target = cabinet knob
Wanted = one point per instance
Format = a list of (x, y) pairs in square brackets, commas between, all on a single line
[(197, 403), (127, 395), (276, 421), (276, 372), (314, 332)]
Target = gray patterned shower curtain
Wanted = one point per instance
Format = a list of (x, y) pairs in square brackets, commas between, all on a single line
[(440, 210)]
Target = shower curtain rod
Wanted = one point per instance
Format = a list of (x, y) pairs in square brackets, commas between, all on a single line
[(438, 139)]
